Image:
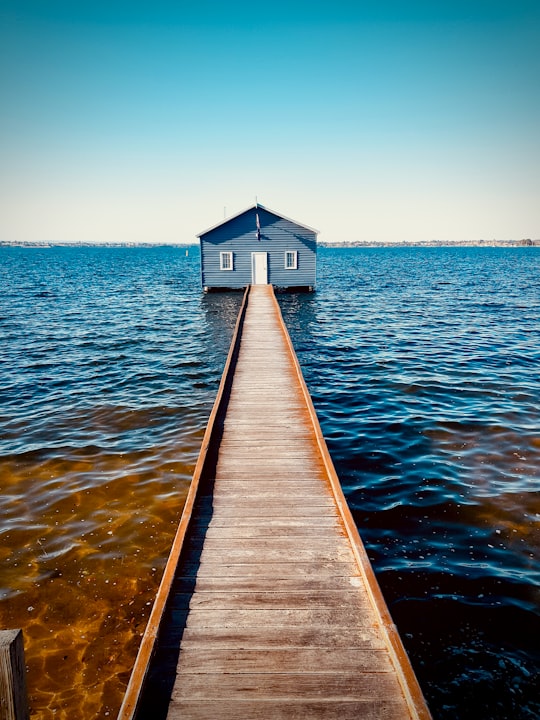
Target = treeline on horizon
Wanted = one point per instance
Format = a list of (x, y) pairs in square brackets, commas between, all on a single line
[(324, 243), (434, 243)]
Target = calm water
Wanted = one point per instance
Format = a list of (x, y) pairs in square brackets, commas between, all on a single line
[(424, 369)]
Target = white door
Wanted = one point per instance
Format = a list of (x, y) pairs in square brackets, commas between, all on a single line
[(259, 268)]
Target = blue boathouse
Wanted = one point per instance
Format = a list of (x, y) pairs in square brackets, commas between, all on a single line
[(258, 247)]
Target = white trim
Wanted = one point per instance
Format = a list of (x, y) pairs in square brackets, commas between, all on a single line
[(293, 255), (226, 260)]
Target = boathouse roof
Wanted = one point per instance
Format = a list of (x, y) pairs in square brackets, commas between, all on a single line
[(256, 207)]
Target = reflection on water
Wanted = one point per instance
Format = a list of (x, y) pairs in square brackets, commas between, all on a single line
[(423, 366)]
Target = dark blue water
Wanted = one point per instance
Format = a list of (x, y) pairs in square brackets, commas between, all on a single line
[(424, 366), (424, 369)]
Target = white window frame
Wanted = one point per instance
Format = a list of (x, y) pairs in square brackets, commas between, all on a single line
[(291, 255), (226, 260)]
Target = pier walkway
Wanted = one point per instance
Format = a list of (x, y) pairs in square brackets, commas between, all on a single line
[(269, 607)]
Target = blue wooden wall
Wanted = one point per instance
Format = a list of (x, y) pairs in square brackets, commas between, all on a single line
[(239, 236)]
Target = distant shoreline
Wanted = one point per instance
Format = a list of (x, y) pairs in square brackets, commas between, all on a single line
[(436, 243), (45, 244), (326, 244)]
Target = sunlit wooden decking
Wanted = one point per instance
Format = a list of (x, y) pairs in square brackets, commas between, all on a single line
[(269, 607)]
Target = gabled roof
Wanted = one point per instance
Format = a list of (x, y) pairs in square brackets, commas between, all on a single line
[(255, 207)]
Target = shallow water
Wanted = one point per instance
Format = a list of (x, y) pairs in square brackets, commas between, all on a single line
[(423, 366), (110, 363)]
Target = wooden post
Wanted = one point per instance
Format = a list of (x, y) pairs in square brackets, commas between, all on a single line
[(13, 698)]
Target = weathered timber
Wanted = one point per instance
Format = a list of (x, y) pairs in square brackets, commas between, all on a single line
[(13, 696), (269, 607)]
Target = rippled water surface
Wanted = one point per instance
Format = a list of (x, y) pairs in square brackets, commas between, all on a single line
[(424, 366), (424, 369)]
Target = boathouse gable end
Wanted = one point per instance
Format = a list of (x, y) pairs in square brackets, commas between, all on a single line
[(258, 246)]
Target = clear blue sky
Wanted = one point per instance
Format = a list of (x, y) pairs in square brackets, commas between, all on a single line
[(369, 120)]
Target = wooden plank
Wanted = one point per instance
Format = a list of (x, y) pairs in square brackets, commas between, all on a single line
[(259, 452), (269, 475), (270, 510), (242, 502), (277, 617), (264, 545), (289, 686), (249, 462), (229, 531), (297, 583), (285, 420), (271, 554), (275, 599), (233, 491), (207, 519), (320, 660), (288, 709), (277, 487), (290, 569), (264, 637), (266, 434)]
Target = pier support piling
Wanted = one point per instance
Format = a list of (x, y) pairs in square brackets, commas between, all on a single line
[(13, 695)]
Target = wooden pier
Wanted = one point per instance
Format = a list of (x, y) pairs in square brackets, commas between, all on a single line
[(268, 606)]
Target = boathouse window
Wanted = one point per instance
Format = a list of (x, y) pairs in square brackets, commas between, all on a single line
[(225, 261), (291, 260)]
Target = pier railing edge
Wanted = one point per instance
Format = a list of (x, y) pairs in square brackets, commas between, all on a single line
[(408, 680), (137, 679)]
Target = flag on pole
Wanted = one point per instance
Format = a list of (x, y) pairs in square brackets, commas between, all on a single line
[(258, 226)]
